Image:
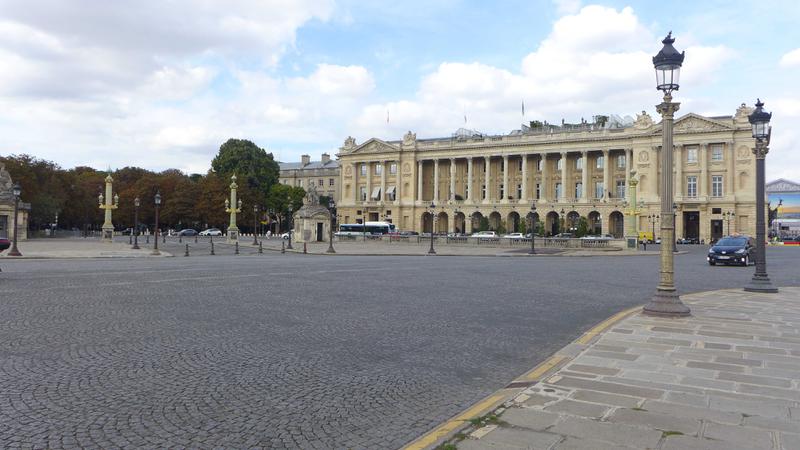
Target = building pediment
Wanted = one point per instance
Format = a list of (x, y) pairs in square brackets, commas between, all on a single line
[(781, 185), (694, 123), (375, 145)]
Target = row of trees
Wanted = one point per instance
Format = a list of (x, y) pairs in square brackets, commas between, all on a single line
[(188, 200)]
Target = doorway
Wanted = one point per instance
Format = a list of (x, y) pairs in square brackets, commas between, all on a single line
[(716, 229), (4, 227), (691, 225), (319, 231)]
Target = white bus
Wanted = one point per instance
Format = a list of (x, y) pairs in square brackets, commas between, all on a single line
[(355, 229)]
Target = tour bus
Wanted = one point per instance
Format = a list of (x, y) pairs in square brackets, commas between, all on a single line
[(355, 229)]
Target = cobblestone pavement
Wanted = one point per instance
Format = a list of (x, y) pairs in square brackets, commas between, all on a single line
[(296, 351), (727, 378)]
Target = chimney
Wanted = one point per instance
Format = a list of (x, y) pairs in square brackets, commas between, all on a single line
[(325, 158), (305, 159)]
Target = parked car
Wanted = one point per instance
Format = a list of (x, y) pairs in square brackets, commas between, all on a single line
[(513, 236), (485, 234), (688, 241), (565, 235), (211, 232), (732, 250), (4, 244), (286, 235), (188, 232), (407, 233)]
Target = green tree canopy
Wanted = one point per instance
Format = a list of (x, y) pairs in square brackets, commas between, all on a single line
[(254, 168)]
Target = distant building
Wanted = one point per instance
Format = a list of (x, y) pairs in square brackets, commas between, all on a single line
[(7, 208), (784, 196), (323, 175)]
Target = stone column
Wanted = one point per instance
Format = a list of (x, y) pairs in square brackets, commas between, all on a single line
[(419, 181), (679, 172), (469, 180), (585, 177), (506, 189), (355, 183), (398, 181), (524, 196), (487, 168), (435, 180), (452, 179), (564, 188), (369, 181), (543, 184), (383, 181), (703, 191), (628, 165), (606, 174), (653, 191), (730, 179)]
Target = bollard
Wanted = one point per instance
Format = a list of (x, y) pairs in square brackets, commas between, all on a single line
[(147, 239), (180, 239), (187, 250), (305, 250), (283, 246), (195, 239), (236, 251), (212, 248), (164, 239), (130, 239), (260, 247)]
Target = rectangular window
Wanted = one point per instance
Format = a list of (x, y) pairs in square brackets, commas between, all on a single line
[(520, 165), (391, 194), (578, 190), (579, 163), (502, 191), (539, 164), (393, 168), (519, 191), (466, 191), (600, 162), (620, 188), (483, 192), (691, 186), (310, 183), (716, 152), (558, 190), (538, 191), (378, 169), (716, 185), (691, 155), (363, 193), (598, 189), (320, 182), (330, 182), (621, 161), (559, 163), (363, 169)]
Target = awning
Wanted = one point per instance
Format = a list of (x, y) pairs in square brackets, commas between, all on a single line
[(391, 190), (376, 193)]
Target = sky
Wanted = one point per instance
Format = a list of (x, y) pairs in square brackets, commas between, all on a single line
[(162, 84)]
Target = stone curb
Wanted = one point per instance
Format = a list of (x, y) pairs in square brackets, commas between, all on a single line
[(445, 431)]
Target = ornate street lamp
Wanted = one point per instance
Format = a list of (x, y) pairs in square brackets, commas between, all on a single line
[(728, 215), (666, 301), (653, 218), (433, 216), (289, 220), (762, 132), (533, 229), (255, 224), (674, 221), (17, 191), (332, 213), (136, 203), (155, 241)]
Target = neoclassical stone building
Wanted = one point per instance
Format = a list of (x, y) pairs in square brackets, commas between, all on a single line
[(565, 171), (322, 175)]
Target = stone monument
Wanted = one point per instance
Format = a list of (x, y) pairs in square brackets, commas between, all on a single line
[(7, 208), (312, 221)]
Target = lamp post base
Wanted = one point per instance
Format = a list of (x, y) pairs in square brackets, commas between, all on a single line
[(761, 283), (666, 304)]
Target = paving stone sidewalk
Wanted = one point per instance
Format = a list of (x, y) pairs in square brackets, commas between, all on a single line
[(79, 248), (726, 378)]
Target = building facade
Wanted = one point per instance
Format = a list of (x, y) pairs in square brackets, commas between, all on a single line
[(323, 175), (565, 172), (7, 224), (784, 201)]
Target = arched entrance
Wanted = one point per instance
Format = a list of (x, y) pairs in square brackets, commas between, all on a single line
[(595, 223), (475, 224), (459, 222), (573, 218), (494, 221), (532, 222), (551, 225), (616, 224), (425, 223), (513, 222), (442, 223)]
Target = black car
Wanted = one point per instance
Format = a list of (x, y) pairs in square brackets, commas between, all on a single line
[(188, 232), (4, 244), (732, 250)]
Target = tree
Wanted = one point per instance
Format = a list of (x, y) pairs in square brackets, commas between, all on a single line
[(483, 224), (583, 227), (281, 196), (255, 169)]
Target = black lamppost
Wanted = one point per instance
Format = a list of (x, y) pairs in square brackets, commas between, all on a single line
[(562, 223), (17, 191), (674, 221), (762, 132), (332, 213), (433, 216), (289, 225), (653, 218), (364, 224), (255, 224), (533, 230), (136, 203), (155, 241), (666, 301), (728, 215)]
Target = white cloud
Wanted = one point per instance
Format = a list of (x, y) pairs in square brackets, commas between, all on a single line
[(791, 59), (567, 6)]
